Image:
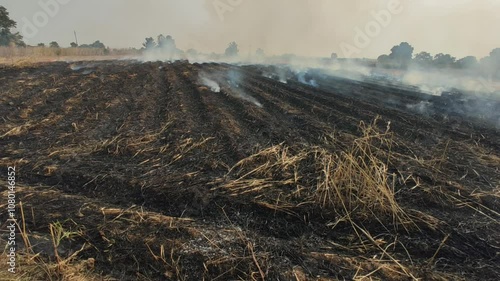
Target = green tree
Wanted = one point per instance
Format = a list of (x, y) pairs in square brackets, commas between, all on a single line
[(423, 58), (443, 60), (41, 45), (149, 43), (467, 62), (97, 45), (54, 44), (6, 36), (161, 40), (402, 54), (495, 56), (167, 43), (384, 61), (232, 50), (491, 63), (73, 45), (167, 48)]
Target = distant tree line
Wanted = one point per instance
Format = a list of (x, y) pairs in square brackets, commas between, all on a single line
[(402, 57), (7, 38), (166, 45), (162, 42), (97, 45), (163, 47)]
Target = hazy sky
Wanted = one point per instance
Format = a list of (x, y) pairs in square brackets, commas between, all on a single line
[(304, 27)]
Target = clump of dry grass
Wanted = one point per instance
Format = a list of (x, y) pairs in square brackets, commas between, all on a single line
[(344, 183), (171, 263), (33, 266), (350, 183), (246, 261)]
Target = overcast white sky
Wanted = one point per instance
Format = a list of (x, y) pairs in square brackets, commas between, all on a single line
[(304, 27)]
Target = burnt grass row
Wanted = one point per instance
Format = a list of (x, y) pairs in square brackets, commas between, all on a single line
[(151, 141)]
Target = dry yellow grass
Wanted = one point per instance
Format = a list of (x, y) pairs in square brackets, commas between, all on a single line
[(351, 183), (31, 266), (23, 57)]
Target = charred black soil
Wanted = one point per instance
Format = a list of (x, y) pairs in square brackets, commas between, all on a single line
[(156, 176)]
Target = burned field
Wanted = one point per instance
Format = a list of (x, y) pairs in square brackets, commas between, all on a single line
[(178, 171)]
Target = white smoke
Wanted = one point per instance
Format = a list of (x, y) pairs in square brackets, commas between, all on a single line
[(214, 86), (437, 81), (301, 77), (421, 107), (234, 80)]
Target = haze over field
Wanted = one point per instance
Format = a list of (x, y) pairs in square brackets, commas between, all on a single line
[(312, 28)]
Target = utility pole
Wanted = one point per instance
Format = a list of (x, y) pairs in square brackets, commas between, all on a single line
[(76, 38)]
